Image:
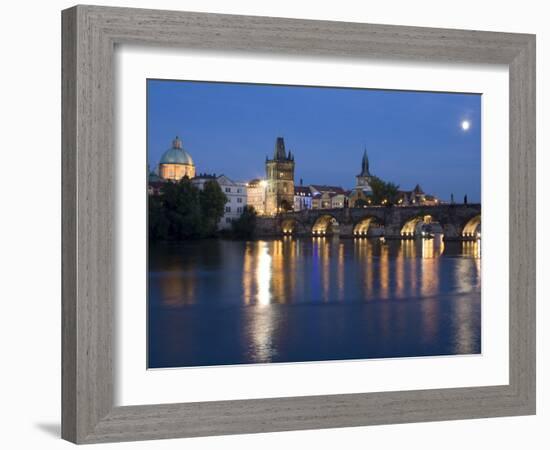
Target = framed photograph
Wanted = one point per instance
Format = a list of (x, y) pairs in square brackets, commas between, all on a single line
[(278, 224)]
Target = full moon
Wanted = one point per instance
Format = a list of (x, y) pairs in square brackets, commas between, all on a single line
[(465, 125)]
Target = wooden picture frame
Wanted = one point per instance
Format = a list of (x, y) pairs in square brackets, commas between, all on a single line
[(90, 34)]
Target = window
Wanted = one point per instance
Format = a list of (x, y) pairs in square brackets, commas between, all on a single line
[(227, 220), (239, 190), (228, 209), (227, 189), (239, 199), (239, 209)]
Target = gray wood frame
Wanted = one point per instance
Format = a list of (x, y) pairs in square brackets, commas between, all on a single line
[(89, 37)]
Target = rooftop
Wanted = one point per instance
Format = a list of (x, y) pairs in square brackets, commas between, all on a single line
[(326, 188), (176, 154), (303, 190)]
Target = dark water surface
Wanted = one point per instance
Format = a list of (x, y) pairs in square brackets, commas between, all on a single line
[(310, 299)]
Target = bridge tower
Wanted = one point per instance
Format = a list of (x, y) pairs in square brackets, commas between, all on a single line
[(363, 179), (280, 179), (362, 189)]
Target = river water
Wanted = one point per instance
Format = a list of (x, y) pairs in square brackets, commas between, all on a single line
[(216, 302)]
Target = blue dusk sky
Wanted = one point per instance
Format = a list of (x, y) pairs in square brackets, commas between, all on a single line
[(410, 137)]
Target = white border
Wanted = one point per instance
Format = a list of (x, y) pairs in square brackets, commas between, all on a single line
[(136, 385)]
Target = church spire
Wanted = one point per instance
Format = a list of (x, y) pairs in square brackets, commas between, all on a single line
[(365, 164)]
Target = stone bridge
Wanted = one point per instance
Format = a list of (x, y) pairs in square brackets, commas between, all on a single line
[(456, 222)]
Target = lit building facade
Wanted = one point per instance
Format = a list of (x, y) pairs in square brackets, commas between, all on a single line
[(256, 195), (176, 163), (280, 180), (322, 196), (302, 198), (235, 192), (416, 197), (338, 200)]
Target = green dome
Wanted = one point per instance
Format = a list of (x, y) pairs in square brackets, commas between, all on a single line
[(177, 154), (153, 177)]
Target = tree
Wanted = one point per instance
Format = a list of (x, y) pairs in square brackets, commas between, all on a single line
[(383, 193), (182, 211), (157, 221), (212, 202), (181, 205), (245, 225)]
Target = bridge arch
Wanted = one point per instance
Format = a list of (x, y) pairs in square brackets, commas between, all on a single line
[(290, 226), (325, 225), (368, 226), (419, 225), (472, 228)]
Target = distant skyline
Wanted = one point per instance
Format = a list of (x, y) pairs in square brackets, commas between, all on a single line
[(433, 139)]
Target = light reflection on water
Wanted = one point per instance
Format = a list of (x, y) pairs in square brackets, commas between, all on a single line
[(230, 302)]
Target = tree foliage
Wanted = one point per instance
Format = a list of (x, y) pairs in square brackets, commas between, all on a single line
[(157, 221), (383, 193), (212, 201), (245, 225), (182, 211)]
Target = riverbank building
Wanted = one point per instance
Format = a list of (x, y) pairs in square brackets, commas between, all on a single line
[(280, 180), (176, 163), (362, 192)]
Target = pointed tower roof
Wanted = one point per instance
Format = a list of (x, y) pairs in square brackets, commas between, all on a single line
[(365, 165), (280, 151)]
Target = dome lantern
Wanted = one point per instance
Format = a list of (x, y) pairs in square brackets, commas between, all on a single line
[(176, 143)]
